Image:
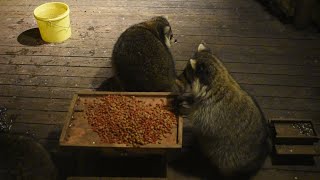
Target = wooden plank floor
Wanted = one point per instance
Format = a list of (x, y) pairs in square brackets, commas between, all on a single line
[(277, 64)]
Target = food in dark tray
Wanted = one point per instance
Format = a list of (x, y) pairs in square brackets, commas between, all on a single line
[(127, 120), (304, 128), (5, 120)]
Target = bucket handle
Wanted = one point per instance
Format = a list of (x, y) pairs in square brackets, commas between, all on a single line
[(54, 25)]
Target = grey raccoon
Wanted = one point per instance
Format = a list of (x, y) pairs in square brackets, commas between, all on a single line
[(24, 158), (141, 57), (229, 125)]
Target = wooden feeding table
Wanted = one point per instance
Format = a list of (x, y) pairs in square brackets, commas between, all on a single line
[(294, 137), (82, 132)]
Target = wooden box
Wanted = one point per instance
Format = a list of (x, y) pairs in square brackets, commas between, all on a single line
[(294, 137), (294, 131), (77, 132)]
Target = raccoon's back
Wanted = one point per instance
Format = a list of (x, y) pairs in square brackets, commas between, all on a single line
[(142, 62), (233, 134)]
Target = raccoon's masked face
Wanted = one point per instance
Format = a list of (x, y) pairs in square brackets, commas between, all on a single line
[(168, 36), (199, 67), (164, 30), (200, 72)]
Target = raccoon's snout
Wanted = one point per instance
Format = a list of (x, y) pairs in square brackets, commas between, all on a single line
[(173, 40), (169, 41)]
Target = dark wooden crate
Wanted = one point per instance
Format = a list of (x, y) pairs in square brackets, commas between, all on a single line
[(285, 133), (289, 141)]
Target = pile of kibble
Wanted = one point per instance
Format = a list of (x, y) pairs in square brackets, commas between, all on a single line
[(127, 120)]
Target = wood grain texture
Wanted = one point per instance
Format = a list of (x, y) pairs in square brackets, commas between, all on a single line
[(275, 63)]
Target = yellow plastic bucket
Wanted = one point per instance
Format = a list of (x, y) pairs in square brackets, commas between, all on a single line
[(53, 21)]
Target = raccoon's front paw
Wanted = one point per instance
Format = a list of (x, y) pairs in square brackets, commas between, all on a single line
[(188, 97), (184, 108), (184, 103)]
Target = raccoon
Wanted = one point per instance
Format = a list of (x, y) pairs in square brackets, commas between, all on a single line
[(229, 125), (23, 158), (141, 57)]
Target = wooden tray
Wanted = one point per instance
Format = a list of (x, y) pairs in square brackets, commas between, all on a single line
[(291, 140), (78, 133), (288, 131), (297, 150)]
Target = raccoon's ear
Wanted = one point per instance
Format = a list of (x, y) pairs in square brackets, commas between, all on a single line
[(166, 17), (166, 30), (167, 37), (202, 47), (193, 63)]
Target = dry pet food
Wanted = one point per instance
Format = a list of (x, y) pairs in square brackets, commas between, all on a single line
[(126, 120)]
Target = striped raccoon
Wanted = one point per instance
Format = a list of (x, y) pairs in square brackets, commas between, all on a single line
[(141, 57), (228, 124)]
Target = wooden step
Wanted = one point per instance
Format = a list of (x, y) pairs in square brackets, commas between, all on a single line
[(307, 150)]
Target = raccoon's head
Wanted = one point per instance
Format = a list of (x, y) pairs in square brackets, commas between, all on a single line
[(163, 30), (200, 71), (200, 66)]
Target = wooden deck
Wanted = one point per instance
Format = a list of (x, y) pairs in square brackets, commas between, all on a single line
[(277, 64)]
